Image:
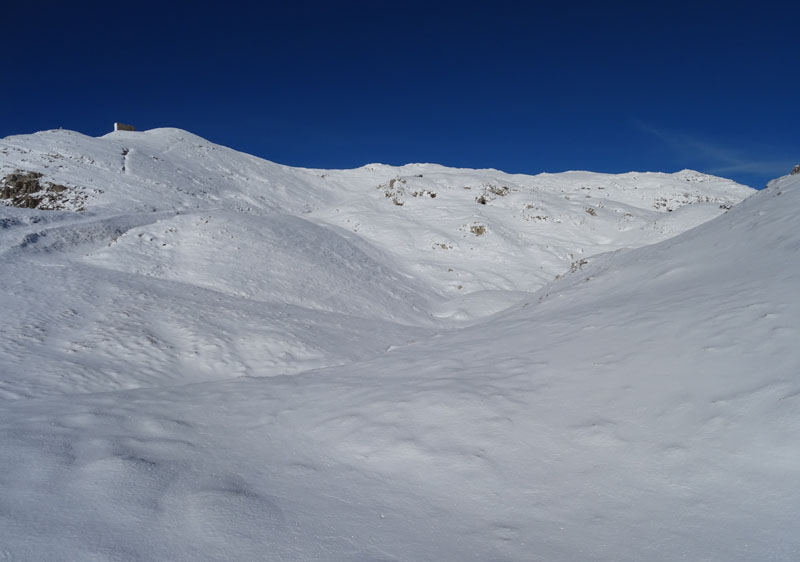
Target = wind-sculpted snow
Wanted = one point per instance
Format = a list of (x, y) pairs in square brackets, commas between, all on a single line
[(277, 258), (641, 406)]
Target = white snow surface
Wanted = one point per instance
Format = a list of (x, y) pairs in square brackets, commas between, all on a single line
[(223, 358)]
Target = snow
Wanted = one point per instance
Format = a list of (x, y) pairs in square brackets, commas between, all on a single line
[(222, 358)]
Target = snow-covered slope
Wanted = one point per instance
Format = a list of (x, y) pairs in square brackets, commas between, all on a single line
[(171, 230), (641, 406), (458, 231)]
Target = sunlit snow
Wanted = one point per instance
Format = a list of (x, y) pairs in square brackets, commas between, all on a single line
[(209, 356)]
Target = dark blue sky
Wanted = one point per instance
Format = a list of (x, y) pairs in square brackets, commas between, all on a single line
[(520, 86)]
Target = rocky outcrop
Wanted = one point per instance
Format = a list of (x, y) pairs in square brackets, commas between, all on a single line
[(24, 189), (795, 170)]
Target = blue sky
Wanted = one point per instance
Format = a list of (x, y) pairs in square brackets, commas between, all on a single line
[(520, 86)]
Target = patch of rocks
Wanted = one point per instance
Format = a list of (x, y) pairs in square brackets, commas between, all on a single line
[(27, 191)]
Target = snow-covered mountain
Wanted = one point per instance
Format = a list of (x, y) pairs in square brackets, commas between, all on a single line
[(456, 231), (483, 366)]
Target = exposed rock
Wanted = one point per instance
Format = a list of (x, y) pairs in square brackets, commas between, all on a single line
[(490, 192), (23, 189), (795, 170)]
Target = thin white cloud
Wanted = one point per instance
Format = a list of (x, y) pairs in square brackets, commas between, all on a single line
[(715, 159)]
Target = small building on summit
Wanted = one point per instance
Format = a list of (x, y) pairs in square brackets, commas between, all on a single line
[(123, 127)]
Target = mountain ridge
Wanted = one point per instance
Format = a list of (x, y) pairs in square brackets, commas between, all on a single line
[(432, 219)]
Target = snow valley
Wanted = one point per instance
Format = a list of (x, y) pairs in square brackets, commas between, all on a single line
[(209, 356)]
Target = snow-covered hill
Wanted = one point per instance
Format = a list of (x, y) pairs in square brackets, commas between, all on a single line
[(483, 366), (192, 230), (458, 231)]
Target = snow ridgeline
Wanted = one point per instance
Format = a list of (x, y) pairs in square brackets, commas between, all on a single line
[(642, 406), (455, 230)]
